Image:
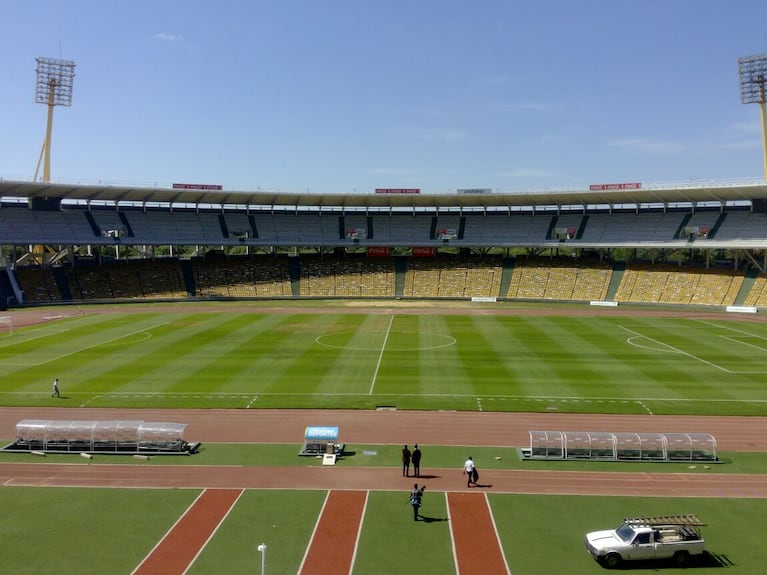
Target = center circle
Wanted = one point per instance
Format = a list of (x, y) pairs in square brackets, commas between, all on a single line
[(394, 340)]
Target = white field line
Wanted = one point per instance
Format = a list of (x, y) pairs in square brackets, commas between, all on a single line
[(676, 350), (497, 536), (246, 397), (314, 532), (359, 533), (712, 324), (751, 345), (452, 536), (380, 355), (213, 532), (39, 333), (172, 527), (729, 328), (80, 349)]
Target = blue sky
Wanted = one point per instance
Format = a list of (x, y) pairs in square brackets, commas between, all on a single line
[(351, 95)]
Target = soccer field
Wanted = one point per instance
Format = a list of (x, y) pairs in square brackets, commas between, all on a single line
[(254, 357)]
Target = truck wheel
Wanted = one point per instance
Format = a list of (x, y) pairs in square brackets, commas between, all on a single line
[(681, 558), (612, 560)]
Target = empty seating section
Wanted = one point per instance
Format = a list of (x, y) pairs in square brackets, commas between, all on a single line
[(571, 221), (242, 276), (451, 277), (267, 233), (347, 277), (408, 229), (356, 222), (517, 229), (107, 219), (559, 279), (22, 225), (381, 229), (743, 226), (238, 225), (620, 228), (448, 226), (38, 284), (757, 296), (134, 279), (531, 278), (668, 283), (181, 227)]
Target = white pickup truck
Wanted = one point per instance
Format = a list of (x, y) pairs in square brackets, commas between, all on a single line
[(675, 537)]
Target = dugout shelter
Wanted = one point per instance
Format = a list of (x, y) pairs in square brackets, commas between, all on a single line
[(127, 437), (621, 446)]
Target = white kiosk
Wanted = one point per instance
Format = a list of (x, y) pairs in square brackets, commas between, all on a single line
[(321, 441)]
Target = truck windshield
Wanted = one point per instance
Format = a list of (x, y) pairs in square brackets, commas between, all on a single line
[(625, 532)]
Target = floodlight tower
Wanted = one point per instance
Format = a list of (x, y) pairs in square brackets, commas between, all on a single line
[(753, 76), (54, 88)]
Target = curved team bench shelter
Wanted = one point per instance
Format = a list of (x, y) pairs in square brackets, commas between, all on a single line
[(599, 445), (118, 437)]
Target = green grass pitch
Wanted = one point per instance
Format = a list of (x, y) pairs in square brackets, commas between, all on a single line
[(300, 358), (93, 531), (592, 364)]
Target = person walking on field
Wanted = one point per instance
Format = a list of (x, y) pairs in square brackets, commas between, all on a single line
[(406, 455), (416, 495), (416, 461), (470, 471), (56, 388)]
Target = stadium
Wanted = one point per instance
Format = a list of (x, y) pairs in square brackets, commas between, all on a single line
[(598, 352), (397, 317)]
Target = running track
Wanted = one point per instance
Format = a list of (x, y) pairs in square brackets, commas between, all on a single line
[(396, 427)]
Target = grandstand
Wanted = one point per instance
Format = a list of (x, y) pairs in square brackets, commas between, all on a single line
[(682, 245)]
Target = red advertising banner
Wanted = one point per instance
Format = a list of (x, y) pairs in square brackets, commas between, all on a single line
[(424, 252), (378, 252), (197, 187), (627, 186), (398, 190)]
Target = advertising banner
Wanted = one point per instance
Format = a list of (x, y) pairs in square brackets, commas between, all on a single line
[(214, 187), (626, 186), (398, 191), (378, 252), (424, 252)]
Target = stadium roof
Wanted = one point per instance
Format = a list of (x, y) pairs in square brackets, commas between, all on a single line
[(654, 194)]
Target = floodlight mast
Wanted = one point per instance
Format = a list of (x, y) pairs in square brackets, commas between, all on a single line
[(753, 76), (54, 88)]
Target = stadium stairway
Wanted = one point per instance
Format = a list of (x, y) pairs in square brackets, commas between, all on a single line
[(615, 280), (745, 287)]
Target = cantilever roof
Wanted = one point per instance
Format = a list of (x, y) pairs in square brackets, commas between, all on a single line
[(692, 193)]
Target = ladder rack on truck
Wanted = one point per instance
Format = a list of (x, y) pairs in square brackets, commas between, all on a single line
[(690, 520)]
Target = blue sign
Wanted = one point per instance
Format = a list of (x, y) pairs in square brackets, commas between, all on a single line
[(321, 434)]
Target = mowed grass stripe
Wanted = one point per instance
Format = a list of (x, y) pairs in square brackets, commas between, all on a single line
[(690, 361), (40, 354), (234, 359), (171, 355)]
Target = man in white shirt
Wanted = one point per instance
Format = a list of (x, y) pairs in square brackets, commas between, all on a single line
[(468, 471)]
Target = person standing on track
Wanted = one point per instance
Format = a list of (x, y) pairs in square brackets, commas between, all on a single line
[(406, 455), (469, 469), (416, 461)]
